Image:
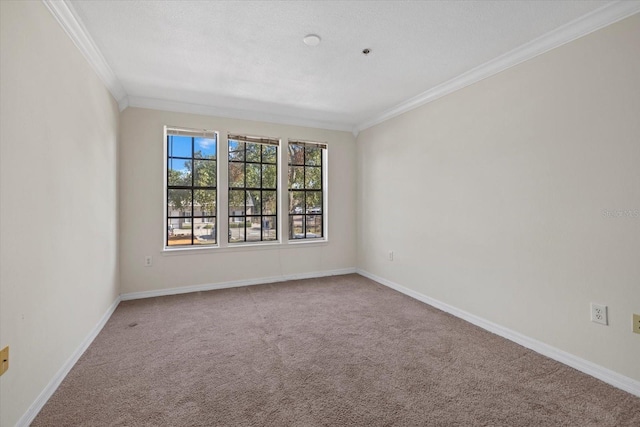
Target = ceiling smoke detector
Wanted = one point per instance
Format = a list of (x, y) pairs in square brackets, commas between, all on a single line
[(311, 40)]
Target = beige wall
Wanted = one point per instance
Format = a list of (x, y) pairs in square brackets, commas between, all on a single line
[(493, 200), (58, 213), (494, 197), (141, 209)]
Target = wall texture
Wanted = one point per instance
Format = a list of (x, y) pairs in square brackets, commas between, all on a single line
[(58, 206), (141, 210), (502, 198)]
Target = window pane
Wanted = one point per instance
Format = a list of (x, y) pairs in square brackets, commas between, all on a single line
[(269, 176), (205, 148), (296, 227), (269, 153), (314, 226), (171, 224), (205, 173), (179, 172), (313, 156), (296, 177), (313, 178), (236, 203), (236, 229), (253, 176), (236, 174), (178, 202), (296, 202), (236, 150), (179, 146), (296, 154), (254, 206), (253, 152), (179, 231), (253, 229), (269, 228), (314, 202), (269, 202), (204, 231), (205, 202)]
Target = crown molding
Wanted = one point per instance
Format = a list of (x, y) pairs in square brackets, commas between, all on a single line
[(599, 18), (123, 103), (209, 110), (68, 19), (593, 21)]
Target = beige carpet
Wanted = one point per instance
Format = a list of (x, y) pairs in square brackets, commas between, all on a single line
[(323, 352)]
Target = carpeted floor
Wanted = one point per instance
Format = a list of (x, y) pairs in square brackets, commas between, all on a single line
[(333, 351)]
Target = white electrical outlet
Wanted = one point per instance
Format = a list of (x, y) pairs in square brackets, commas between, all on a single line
[(148, 261), (390, 255), (599, 313)]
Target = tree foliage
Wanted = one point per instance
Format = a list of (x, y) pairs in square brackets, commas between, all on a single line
[(305, 173), (200, 173), (253, 178)]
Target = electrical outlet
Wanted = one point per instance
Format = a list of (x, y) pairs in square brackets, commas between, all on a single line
[(4, 360), (148, 261), (390, 255), (599, 313), (636, 323)]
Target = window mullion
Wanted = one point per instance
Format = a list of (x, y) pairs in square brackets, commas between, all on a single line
[(166, 192), (244, 213), (322, 192), (304, 187), (223, 198), (261, 194), (193, 193)]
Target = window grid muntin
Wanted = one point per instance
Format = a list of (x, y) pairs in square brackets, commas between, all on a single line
[(192, 188), (245, 189), (305, 214)]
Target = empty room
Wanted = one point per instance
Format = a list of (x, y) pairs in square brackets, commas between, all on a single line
[(319, 213)]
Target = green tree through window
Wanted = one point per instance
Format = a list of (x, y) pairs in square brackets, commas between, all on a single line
[(253, 189), (306, 192)]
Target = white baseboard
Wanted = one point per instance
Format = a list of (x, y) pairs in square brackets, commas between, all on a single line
[(610, 377), (233, 284), (48, 391)]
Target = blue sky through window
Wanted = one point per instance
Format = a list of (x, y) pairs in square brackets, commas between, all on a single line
[(179, 146), (180, 165), (206, 146)]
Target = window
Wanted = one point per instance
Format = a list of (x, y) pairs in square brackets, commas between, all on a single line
[(306, 192), (191, 196), (253, 189)]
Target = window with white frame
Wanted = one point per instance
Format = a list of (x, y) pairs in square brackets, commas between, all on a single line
[(249, 169), (191, 187), (306, 190), (253, 189)]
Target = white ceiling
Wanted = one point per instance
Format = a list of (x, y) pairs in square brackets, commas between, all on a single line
[(247, 58)]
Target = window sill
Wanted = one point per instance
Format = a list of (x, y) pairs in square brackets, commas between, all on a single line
[(308, 242), (242, 247)]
